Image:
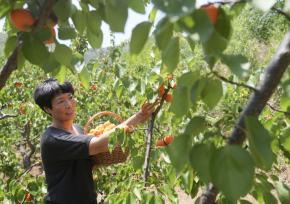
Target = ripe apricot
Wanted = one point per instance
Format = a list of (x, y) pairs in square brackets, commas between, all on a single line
[(18, 84), (28, 197), (93, 87), (161, 90), (165, 141), (52, 36), (168, 98), (168, 139), (211, 11), (22, 19)]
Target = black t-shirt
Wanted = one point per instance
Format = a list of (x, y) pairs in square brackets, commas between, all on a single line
[(68, 167)]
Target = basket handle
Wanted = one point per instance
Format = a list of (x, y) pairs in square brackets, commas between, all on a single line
[(103, 113)]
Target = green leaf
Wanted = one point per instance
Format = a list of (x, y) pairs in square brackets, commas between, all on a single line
[(116, 12), (259, 143), (264, 5), (212, 92), (175, 8), (10, 45), (84, 77), (139, 37), (200, 158), (163, 33), (152, 14), (187, 181), (60, 75), (215, 45), (191, 43), (178, 151), (284, 103), (5, 7), (245, 202), (197, 25), (196, 90), (232, 171), (51, 64), (137, 162), (42, 34), (94, 39), (137, 5), (79, 20), (170, 56), (269, 198), (63, 9), (286, 139), (223, 25), (66, 33), (196, 125), (94, 22), (238, 64), (34, 51), (119, 70), (180, 103), (63, 54), (283, 193)]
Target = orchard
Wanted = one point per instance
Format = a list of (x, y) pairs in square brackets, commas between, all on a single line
[(218, 71)]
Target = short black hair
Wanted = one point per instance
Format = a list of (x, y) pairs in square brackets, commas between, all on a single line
[(48, 89)]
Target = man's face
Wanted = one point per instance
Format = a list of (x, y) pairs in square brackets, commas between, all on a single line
[(63, 107)]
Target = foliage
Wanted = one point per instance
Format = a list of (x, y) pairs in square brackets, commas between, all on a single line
[(201, 116)]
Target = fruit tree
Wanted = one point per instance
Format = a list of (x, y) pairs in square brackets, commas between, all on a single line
[(219, 71)]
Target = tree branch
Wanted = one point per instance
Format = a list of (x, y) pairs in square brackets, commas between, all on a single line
[(257, 101), (11, 64), (149, 137), (279, 11), (277, 110), (234, 83), (27, 154), (3, 116)]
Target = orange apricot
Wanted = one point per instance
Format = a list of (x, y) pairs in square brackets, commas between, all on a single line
[(18, 84), (165, 141), (28, 197), (22, 19), (168, 98), (211, 11)]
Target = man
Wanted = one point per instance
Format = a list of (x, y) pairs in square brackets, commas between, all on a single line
[(65, 150)]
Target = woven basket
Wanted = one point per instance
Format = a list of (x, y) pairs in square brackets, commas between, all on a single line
[(107, 158)]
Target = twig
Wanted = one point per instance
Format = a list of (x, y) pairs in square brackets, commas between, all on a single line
[(28, 170), (279, 11), (226, 2), (149, 137), (3, 116), (234, 83), (277, 110), (27, 156)]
